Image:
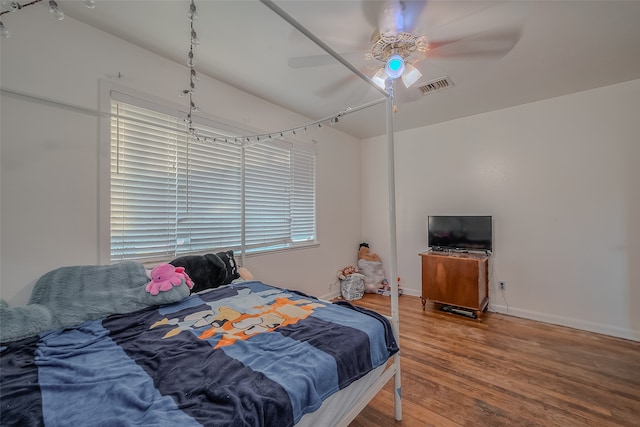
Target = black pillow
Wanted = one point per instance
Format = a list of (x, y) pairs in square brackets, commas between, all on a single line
[(230, 266), (206, 271)]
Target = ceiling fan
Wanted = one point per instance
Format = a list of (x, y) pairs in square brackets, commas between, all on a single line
[(398, 50), (395, 45)]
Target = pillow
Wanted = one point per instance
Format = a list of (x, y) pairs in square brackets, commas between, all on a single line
[(245, 274), (75, 294), (231, 267), (208, 271)]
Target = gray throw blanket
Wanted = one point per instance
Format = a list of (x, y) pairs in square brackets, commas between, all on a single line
[(72, 295)]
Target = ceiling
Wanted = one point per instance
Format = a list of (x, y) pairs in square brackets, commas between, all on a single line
[(497, 54)]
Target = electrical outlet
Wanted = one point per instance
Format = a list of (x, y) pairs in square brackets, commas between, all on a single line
[(501, 285), (330, 285)]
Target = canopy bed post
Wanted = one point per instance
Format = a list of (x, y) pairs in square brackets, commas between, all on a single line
[(393, 252), (243, 240), (395, 319)]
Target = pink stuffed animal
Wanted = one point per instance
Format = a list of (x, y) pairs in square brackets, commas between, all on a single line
[(165, 276)]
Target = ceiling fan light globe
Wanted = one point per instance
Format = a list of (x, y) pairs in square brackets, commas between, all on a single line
[(379, 78), (411, 76), (395, 66)]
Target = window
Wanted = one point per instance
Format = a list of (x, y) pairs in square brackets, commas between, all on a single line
[(172, 195), (280, 196)]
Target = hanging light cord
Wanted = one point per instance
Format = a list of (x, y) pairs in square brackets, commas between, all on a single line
[(15, 6), (193, 41)]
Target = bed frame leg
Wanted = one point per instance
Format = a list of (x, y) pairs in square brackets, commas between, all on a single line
[(397, 388)]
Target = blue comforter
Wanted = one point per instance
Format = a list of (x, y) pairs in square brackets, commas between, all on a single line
[(247, 354)]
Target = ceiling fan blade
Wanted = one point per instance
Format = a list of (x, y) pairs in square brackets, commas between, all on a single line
[(371, 11), (393, 16), (340, 84), (399, 16), (319, 60), (391, 20), (493, 44)]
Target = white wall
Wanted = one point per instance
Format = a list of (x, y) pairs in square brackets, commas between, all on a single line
[(50, 156), (560, 178)]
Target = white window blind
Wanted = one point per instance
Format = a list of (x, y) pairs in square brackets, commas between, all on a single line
[(171, 195), (303, 196), (267, 196)]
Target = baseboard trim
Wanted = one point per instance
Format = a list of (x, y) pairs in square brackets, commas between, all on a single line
[(599, 328), (330, 295), (412, 292), (335, 294), (614, 331)]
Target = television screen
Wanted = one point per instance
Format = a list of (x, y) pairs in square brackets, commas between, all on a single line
[(461, 233)]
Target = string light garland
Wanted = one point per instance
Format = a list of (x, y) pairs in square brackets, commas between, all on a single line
[(250, 139), (294, 132), (14, 6), (194, 41)]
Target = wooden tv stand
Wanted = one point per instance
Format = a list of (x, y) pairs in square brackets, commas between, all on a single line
[(456, 279)]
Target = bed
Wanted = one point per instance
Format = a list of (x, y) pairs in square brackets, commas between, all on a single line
[(243, 354)]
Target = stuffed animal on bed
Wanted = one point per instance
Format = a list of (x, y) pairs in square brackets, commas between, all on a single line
[(165, 276)]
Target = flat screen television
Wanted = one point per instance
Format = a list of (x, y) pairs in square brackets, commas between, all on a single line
[(460, 233)]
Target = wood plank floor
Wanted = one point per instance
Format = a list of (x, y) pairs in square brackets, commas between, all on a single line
[(505, 371)]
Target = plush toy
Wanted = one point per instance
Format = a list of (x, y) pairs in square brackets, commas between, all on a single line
[(365, 254), (165, 276), (210, 270), (370, 265), (342, 274)]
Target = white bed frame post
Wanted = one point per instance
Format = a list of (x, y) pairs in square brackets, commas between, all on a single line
[(395, 317), (393, 261)]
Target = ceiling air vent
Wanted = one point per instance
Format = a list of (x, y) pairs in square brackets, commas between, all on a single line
[(436, 85)]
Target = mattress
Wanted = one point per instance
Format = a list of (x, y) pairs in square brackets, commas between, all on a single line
[(338, 406)]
